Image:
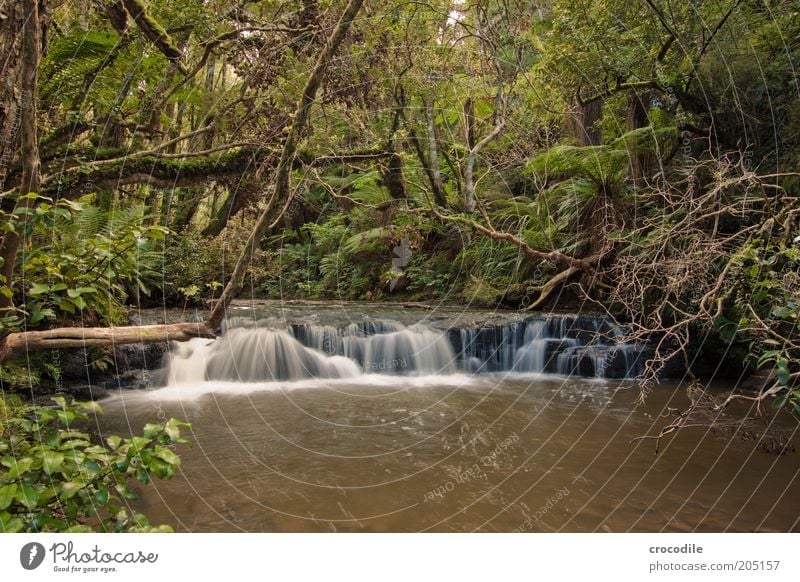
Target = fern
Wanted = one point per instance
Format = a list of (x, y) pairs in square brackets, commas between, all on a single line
[(362, 186), (71, 58), (368, 240), (603, 166)]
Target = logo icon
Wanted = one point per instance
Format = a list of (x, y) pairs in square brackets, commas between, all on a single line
[(31, 555)]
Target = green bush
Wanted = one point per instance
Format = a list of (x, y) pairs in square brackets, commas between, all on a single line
[(79, 261), (53, 477)]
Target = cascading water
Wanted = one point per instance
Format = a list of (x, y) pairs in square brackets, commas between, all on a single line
[(577, 346), (254, 355), (538, 349), (267, 350), (383, 346)]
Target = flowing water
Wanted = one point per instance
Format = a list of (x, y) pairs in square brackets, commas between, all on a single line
[(353, 423)]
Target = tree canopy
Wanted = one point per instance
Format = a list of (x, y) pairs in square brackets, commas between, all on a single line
[(639, 155)]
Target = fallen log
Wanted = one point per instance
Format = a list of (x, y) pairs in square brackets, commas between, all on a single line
[(18, 344)]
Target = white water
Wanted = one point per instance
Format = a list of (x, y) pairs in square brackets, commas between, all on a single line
[(254, 355), (247, 354), (264, 351)]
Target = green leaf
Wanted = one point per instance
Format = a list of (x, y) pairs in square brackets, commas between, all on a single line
[(38, 289), (139, 443), (11, 524), (151, 430), (75, 293), (48, 493), (52, 461), (79, 302), (78, 529), (91, 466), (69, 489), (67, 417), (20, 467), (162, 469), (168, 456), (101, 495), (28, 496), (126, 491), (173, 429), (7, 493), (90, 406), (783, 313), (142, 476)]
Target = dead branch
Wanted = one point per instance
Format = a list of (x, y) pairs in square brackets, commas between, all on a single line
[(708, 412), (15, 345)]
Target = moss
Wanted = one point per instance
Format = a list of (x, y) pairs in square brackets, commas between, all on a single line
[(179, 172)]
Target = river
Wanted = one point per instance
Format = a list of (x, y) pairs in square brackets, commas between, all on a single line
[(500, 451)]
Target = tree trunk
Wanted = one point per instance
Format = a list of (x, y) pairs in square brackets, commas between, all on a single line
[(582, 123), (10, 48), (189, 200), (238, 197), (31, 53), (392, 177), (636, 117), (472, 156), (16, 345), (433, 154), (282, 187)]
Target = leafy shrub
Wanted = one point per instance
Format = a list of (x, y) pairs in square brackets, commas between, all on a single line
[(54, 478), (79, 260)]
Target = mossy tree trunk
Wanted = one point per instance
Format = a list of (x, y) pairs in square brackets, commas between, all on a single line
[(30, 53)]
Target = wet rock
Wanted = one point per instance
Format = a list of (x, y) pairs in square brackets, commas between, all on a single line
[(553, 348), (577, 362), (77, 367), (86, 392), (624, 361), (141, 356), (132, 380)]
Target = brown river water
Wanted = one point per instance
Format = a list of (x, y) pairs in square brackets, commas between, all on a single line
[(453, 453)]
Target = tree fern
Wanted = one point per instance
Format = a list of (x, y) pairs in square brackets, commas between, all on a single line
[(603, 166)]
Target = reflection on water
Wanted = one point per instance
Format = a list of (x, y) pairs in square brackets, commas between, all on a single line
[(452, 453)]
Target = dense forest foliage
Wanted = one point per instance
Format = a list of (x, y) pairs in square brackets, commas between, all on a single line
[(639, 158)]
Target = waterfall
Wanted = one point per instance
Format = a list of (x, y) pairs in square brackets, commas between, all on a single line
[(538, 350), (383, 347), (559, 344), (270, 350), (255, 355)]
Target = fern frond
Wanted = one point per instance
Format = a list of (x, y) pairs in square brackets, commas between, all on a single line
[(367, 240), (71, 58)]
